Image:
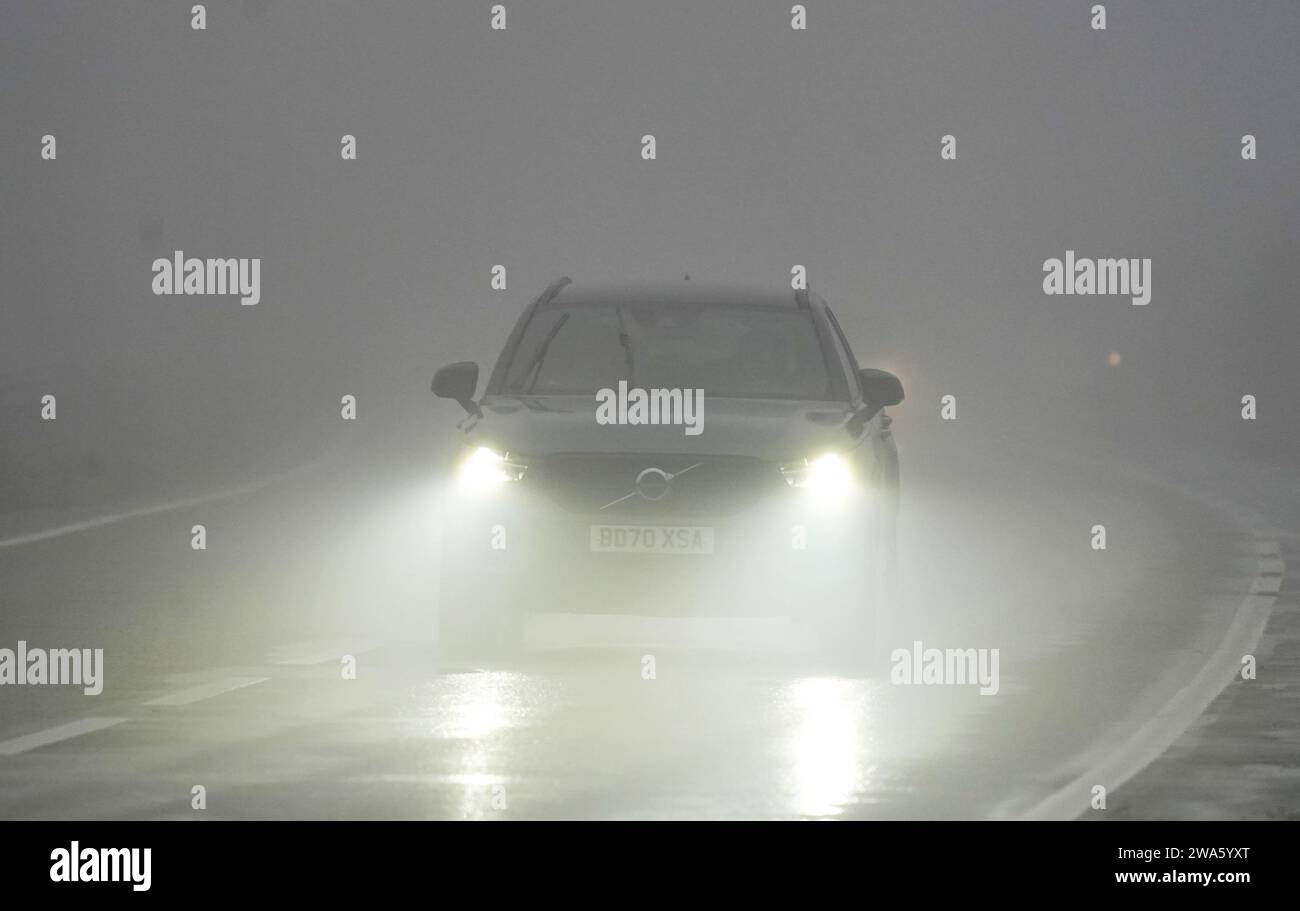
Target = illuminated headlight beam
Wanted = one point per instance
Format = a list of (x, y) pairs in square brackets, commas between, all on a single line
[(827, 475), (485, 469)]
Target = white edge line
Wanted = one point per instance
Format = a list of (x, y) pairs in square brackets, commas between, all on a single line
[(1160, 732), (1182, 710)]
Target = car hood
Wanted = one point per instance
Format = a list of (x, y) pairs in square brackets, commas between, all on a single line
[(763, 428)]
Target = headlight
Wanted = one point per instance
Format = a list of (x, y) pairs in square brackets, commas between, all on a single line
[(825, 475), (485, 468)]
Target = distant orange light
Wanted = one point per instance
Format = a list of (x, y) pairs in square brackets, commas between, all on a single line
[(1113, 358)]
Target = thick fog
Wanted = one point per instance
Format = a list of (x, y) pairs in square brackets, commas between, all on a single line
[(522, 148)]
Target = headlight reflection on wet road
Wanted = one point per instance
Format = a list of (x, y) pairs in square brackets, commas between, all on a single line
[(830, 740), (478, 705)]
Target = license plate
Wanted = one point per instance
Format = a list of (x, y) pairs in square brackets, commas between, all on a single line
[(651, 539)]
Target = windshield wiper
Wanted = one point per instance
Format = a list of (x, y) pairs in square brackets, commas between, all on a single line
[(535, 365), (626, 341)]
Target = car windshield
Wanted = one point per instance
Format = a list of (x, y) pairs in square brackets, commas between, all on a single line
[(728, 350)]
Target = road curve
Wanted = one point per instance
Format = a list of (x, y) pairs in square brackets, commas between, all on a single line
[(224, 667)]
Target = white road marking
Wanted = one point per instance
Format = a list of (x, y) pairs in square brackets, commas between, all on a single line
[(1119, 757), (562, 631), (55, 734), (319, 651), (461, 778), (1255, 566), (100, 521), (207, 690)]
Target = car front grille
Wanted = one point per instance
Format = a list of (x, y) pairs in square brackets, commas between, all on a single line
[(700, 485)]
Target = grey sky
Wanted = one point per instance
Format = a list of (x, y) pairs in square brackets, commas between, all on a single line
[(775, 147)]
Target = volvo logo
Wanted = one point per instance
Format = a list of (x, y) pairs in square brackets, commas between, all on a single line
[(651, 484)]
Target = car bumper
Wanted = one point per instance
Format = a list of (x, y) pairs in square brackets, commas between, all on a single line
[(783, 557)]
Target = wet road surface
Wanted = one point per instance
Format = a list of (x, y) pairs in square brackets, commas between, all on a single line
[(224, 667)]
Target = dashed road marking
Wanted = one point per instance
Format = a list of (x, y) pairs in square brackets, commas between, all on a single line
[(100, 521), (206, 690), (55, 734), (319, 651)]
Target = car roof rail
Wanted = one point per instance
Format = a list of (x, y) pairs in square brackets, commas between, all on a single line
[(553, 289), (801, 298)]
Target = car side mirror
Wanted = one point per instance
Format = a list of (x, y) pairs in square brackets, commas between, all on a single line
[(458, 381), (880, 388)]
